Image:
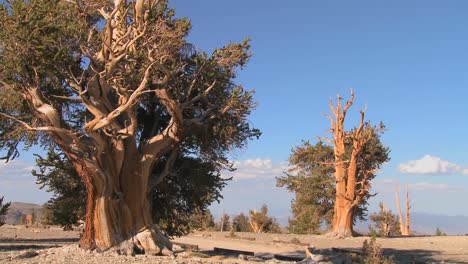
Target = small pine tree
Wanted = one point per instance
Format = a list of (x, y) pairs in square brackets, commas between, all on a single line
[(385, 222), (224, 223), (3, 210), (46, 215), (202, 221), (439, 232), (373, 253), (241, 223), (23, 219)]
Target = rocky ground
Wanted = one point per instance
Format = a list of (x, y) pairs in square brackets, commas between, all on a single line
[(38, 245)]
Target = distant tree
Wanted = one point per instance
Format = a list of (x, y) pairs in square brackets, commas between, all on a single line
[(23, 220), (4, 207), (404, 226), (439, 232), (385, 222), (34, 218), (46, 215), (17, 215), (261, 222), (241, 223), (224, 223), (202, 221)]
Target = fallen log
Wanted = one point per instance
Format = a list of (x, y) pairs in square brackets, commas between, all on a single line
[(227, 251), (287, 258)]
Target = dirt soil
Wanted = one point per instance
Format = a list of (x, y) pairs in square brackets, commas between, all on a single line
[(56, 246)]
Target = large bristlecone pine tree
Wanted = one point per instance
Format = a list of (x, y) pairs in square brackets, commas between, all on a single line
[(354, 170), (116, 87)]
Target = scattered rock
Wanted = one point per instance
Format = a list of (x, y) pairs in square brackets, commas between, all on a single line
[(242, 257), (27, 254)]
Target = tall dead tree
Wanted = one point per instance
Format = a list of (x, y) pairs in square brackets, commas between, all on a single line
[(404, 226), (116, 86), (352, 179)]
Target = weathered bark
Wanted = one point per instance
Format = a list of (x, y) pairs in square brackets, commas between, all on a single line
[(408, 219), (347, 196), (344, 223), (404, 226), (119, 213), (114, 152), (256, 227)]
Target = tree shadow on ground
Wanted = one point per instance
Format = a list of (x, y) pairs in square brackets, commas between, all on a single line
[(11, 244), (415, 256), (19, 247)]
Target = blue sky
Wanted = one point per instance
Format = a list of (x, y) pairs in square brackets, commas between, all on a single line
[(407, 61)]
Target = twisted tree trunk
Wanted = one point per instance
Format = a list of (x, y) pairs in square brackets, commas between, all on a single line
[(343, 227), (118, 210), (349, 192)]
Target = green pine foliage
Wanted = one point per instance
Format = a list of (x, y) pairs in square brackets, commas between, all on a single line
[(202, 221), (385, 223), (241, 223), (373, 253), (57, 174), (4, 207), (54, 55)]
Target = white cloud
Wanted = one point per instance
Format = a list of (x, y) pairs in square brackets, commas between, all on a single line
[(387, 187), (256, 168), (15, 170), (431, 165), (438, 187)]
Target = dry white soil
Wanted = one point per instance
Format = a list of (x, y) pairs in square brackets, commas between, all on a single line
[(56, 246)]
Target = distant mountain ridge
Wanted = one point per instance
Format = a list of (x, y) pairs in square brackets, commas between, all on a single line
[(427, 223), (421, 223), (17, 209)]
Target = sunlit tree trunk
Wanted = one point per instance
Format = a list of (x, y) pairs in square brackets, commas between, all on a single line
[(347, 196), (404, 225)]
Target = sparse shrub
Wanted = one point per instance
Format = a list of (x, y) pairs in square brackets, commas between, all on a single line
[(372, 231), (3, 211), (439, 232), (295, 241), (202, 220), (232, 233), (241, 223), (373, 253)]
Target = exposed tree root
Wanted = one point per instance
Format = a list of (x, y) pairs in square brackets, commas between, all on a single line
[(340, 233), (148, 242)]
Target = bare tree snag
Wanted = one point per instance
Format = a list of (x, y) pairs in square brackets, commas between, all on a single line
[(408, 219), (404, 226)]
